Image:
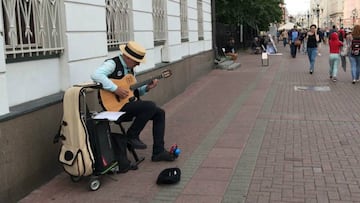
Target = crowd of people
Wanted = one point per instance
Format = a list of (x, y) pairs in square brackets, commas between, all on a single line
[(343, 44)]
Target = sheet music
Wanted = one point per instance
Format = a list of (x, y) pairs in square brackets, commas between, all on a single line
[(109, 115)]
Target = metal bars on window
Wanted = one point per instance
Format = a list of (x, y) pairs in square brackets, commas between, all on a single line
[(200, 20), (118, 22), (184, 20), (32, 27), (159, 13)]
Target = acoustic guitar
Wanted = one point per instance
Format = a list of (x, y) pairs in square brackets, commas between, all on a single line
[(112, 102)]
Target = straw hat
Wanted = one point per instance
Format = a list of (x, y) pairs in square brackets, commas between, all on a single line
[(134, 51)]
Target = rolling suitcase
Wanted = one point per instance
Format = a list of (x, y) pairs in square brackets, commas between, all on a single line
[(87, 148)]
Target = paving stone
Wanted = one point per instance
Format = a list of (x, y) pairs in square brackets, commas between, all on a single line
[(247, 136)]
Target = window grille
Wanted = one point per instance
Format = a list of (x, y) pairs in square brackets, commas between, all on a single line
[(32, 27), (200, 20), (159, 13), (184, 20), (118, 22)]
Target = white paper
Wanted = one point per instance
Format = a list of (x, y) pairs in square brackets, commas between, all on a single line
[(109, 115)]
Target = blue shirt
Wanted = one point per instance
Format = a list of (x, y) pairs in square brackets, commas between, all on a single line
[(102, 72), (294, 35)]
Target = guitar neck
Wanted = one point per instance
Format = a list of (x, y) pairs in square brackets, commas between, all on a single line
[(137, 85)]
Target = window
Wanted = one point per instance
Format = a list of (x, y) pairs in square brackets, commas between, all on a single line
[(159, 13), (32, 27), (118, 22), (184, 21), (200, 20)]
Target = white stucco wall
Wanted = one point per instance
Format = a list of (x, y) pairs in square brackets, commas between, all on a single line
[(4, 101), (207, 25), (31, 80), (143, 32), (86, 48), (172, 49), (86, 42)]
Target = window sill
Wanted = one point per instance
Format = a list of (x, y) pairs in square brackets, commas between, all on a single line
[(27, 57), (32, 106)]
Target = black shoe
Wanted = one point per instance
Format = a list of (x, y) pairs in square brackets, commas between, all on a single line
[(163, 156), (311, 72), (137, 143)]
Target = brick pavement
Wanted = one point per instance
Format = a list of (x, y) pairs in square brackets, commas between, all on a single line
[(246, 136)]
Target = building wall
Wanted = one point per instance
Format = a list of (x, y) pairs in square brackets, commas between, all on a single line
[(28, 157), (4, 103), (349, 5), (31, 90), (334, 10), (86, 48)]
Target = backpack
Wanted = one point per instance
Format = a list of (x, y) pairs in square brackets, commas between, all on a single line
[(355, 47), (321, 36), (120, 149), (341, 37)]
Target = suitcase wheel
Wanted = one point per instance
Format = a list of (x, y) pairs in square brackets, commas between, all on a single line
[(94, 184), (75, 179)]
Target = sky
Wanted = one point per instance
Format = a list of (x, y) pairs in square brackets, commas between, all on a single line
[(297, 6)]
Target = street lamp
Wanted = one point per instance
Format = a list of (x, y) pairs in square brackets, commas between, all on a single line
[(340, 20), (317, 11), (283, 11), (354, 15), (308, 17), (302, 21)]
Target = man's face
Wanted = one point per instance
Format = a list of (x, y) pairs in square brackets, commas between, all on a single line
[(131, 63)]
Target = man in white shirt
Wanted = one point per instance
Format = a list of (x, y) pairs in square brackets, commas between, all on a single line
[(132, 54)]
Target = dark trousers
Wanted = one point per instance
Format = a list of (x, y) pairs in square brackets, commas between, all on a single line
[(293, 49), (143, 111)]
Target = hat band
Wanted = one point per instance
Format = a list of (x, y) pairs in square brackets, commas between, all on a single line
[(133, 53)]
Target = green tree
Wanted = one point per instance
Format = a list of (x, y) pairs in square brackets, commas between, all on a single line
[(255, 13)]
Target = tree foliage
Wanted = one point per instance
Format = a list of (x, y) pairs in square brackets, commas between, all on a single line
[(256, 13)]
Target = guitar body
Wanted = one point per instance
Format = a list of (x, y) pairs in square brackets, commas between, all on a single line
[(112, 102)]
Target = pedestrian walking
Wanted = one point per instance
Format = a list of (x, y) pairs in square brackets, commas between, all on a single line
[(284, 35), (334, 44), (312, 42), (343, 51), (293, 37), (303, 41), (354, 55), (320, 41)]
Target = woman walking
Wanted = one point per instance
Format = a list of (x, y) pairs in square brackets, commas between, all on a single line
[(284, 36), (354, 55), (312, 40), (334, 57)]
